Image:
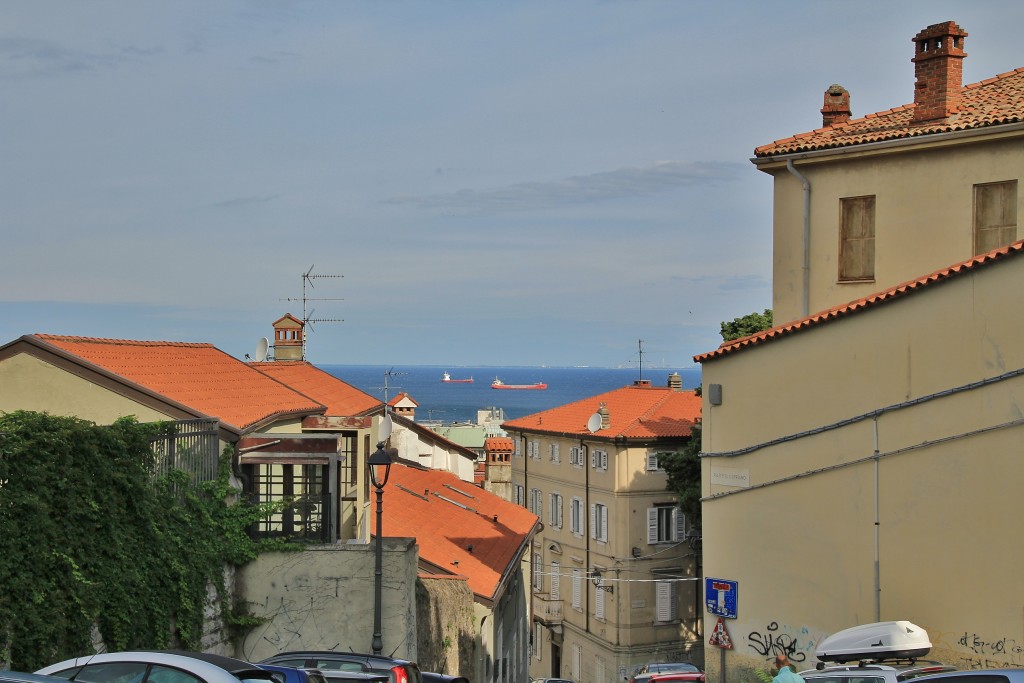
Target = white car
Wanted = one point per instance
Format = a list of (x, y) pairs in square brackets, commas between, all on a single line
[(158, 667), (891, 672)]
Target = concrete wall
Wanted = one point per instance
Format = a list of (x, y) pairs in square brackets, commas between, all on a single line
[(323, 598), (791, 484), (934, 210)]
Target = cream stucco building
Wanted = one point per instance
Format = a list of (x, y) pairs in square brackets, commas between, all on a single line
[(862, 461), (615, 571)]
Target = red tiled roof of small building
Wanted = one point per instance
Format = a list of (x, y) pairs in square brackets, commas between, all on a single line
[(971, 265), (340, 398), (198, 376), (635, 412), (498, 443), (402, 396), (991, 102), (447, 515)]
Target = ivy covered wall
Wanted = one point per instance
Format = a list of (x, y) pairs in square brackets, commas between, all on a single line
[(94, 550)]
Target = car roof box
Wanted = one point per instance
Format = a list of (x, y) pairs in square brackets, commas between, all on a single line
[(878, 642)]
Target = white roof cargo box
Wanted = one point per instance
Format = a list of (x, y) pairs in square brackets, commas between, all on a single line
[(879, 641)]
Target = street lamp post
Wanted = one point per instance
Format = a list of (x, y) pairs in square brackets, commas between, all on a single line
[(380, 469)]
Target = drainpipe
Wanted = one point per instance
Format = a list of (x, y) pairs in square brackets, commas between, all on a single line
[(806, 237), (878, 572)]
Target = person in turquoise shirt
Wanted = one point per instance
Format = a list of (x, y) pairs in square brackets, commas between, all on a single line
[(787, 672)]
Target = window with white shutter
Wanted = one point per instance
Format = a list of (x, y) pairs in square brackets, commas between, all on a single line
[(599, 522), (517, 495), (665, 524), (538, 640), (576, 516), (556, 581), (577, 662), (576, 456), (599, 594), (555, 453), (518, 452), (652, 461), (665, 596), (538, 580), (556, 510), (577, 589), (599, 459)]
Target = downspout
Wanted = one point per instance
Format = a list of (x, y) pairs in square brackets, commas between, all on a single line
[(878, 573), (806, 305)]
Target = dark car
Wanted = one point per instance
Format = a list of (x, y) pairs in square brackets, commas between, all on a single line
[(431, 677), (331, 661), (289, 674)]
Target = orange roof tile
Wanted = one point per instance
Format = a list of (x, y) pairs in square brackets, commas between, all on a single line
[(991, 102), (499, 443), (402, 396), (971, 265), (340, 398), (416, 499), (636, 412), (198, 376)]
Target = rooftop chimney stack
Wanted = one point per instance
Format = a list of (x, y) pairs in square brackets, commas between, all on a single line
[(938, 68), (837, 105)]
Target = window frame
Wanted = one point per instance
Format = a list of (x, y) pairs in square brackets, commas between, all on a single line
[(1005, 228), (855, 244)]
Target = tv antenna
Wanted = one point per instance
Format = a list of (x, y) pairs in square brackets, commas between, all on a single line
[(307, 317), (388, 374), (640, 351)]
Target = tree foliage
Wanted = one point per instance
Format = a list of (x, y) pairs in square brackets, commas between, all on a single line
[(90, 540), (749, 324), (683, 468)]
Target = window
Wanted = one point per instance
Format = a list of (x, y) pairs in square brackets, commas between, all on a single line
[(518, 447), (518, 495), (665, 523), (536, 502), (556, 510), (652, 461), (576, 456), (599, 459), (555, 456), (577, 662), (556, 583), (857, 238), (309, 513), (995, 215), (577, 589), (665, 599), (533, 449), (538, 578), (576, 516), (538, 639), (599, 599), (599, 522)]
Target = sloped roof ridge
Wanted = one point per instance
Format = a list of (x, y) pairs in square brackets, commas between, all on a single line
[(896, 123), (121, 342), (910, 286)]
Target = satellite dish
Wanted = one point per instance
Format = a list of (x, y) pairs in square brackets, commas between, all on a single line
[(262, 348), (594, 423), (386, 425)]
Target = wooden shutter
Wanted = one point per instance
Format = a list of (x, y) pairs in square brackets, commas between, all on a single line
[(652, 526), (556, 583)]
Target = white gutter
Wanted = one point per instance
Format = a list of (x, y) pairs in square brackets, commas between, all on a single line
[(805, 305)]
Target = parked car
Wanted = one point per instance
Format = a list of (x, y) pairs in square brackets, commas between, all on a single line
[(431, 677), (551, 680), (977, 676), (290, 674), (882, 672), (22, 677), (340, 676), (645, 672), (676, 677), (158, 667), (330, 661)]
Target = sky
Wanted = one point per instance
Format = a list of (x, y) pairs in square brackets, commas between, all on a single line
[(528, 182)]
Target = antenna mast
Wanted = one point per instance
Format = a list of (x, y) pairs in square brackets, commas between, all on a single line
[(307, 318), (640, 345)]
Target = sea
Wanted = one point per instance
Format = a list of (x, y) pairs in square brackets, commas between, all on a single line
[(459, 402)]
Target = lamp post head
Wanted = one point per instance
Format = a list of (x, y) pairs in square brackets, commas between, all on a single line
[(379, 464)]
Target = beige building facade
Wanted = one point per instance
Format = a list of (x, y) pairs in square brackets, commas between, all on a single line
[(861, 461), (615, 572)]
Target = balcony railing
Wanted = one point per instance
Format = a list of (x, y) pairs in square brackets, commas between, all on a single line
[(547, 610)]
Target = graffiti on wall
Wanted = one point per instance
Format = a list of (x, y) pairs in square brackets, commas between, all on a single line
[(776, 640), (979, 651)]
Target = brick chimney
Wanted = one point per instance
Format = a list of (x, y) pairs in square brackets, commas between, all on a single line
[(837, 105), (938, 68)]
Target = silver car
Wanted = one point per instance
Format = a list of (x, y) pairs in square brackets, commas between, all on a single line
[(157, 667), (893, 672)]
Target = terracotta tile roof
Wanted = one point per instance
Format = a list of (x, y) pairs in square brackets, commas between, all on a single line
[(969, 266), (340, 398), (198, 376), (498, 443), (402, 396), (991, 102), (635, 412), (417, 499)]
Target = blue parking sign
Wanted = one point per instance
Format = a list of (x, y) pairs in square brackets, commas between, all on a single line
[(720, 597)]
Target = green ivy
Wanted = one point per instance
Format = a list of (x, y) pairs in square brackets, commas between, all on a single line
[(89, 539)]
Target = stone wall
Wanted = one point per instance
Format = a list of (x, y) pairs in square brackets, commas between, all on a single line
[(446, 634)]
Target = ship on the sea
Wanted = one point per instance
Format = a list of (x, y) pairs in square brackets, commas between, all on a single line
[(447, 378), (498, 384)]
